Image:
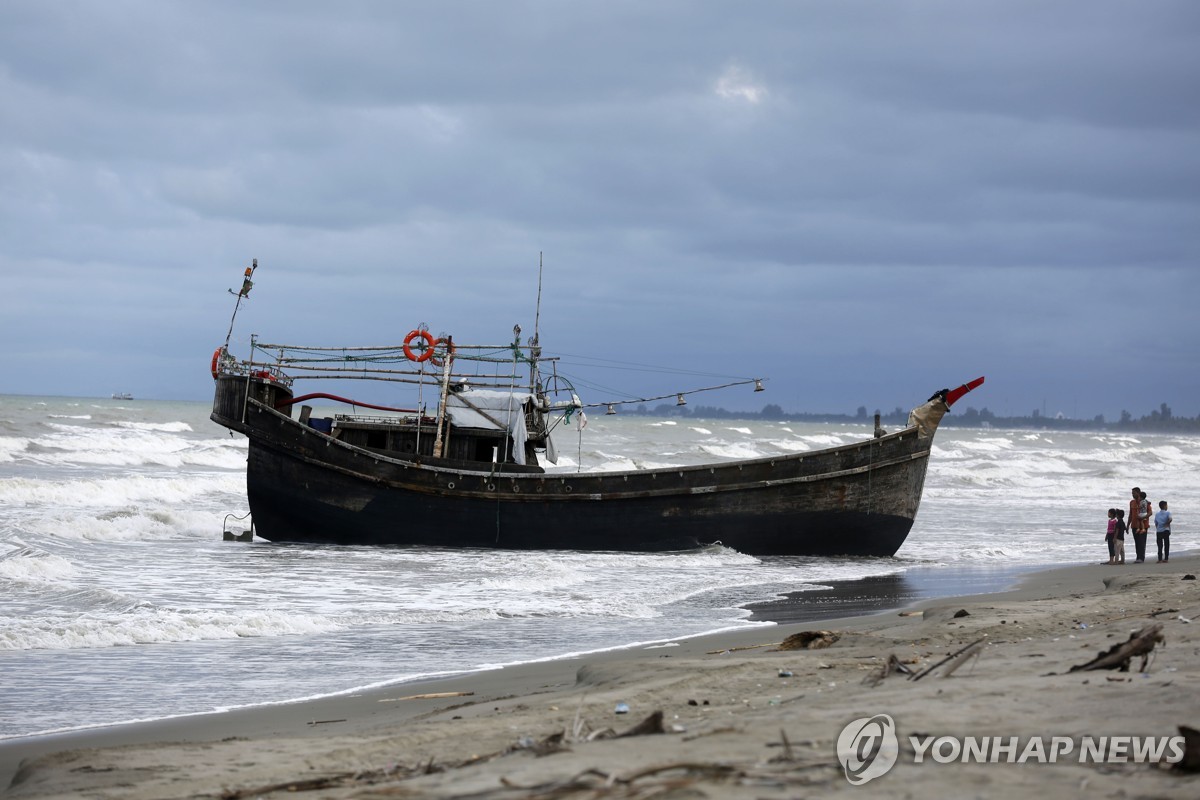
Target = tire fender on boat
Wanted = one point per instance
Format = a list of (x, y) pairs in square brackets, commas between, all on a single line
[(429, 343), (437, 362)]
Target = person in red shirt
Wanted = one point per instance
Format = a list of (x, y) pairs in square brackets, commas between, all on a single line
[(1139, 522)]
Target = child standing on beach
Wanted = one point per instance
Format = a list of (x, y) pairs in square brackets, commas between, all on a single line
[(1111, 536), (1162, 526), (1120, 540)]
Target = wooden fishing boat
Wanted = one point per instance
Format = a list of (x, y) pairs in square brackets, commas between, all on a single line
[(470, 473)]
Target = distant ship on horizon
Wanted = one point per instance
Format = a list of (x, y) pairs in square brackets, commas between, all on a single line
[(122, 396)]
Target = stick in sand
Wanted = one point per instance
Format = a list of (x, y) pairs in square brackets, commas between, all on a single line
[(950, 657), (430, 696), (963, 657)]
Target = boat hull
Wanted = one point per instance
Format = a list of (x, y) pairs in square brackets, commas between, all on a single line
[(305, 486)]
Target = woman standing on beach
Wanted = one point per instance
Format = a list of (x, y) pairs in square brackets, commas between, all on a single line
[(1139, 522)]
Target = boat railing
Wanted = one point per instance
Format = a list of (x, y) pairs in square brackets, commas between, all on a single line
[(373, 419), (255, 369)]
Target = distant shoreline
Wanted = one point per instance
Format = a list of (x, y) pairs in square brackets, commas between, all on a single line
[(1158, 421), (1161, 421)]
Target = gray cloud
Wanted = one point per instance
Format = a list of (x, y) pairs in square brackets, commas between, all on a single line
[(863, 201)]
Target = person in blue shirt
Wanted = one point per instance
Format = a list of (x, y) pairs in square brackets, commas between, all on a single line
[(1162, 527)]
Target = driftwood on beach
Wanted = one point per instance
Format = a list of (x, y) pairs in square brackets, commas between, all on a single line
[(954, 660), (1191, 750), (893, 664), (810, 640), (1140, 643), (426, 696)]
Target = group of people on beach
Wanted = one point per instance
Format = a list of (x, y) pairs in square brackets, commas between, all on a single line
[(1139, 526)]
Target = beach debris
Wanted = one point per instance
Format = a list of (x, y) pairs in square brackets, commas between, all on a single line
[(675, 780), (892, 664), (338, 780), (1191, 750), (325, 721), (650, 725), (622, 708), (1155, 613), (809, 640), (971, 653), (597, 783), (591, 780), (785, 673), (554, 743), (743, 647), (955, 659), (579, 725), (1140, 643), (307, 785), (1188, 577), (911, 614), (787, 754), (429, 696), (962, 612)]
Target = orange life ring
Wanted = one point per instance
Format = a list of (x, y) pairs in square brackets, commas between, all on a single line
[(429, 343), (216, 359), (450, 350)]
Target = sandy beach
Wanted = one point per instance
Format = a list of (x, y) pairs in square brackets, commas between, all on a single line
[(728, 715)]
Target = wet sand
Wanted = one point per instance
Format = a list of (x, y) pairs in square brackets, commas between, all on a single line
[(740, 717)]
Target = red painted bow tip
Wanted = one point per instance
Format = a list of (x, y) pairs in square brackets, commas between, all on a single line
[(954, 394)]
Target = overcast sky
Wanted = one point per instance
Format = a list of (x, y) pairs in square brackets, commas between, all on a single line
[(862, 202)]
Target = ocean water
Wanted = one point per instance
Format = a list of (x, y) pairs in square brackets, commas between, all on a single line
[(119, 601)]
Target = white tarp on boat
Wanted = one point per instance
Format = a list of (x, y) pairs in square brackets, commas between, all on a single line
[(494, 410), (926, 417)]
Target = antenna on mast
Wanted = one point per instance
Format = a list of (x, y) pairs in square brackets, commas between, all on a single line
[(535, 349), (247, 285), (537, 314)]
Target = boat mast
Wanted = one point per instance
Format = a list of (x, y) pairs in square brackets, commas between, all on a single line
[(438, 441), (535, 350)]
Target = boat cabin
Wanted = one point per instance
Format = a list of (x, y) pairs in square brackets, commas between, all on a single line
[(474, 434)]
